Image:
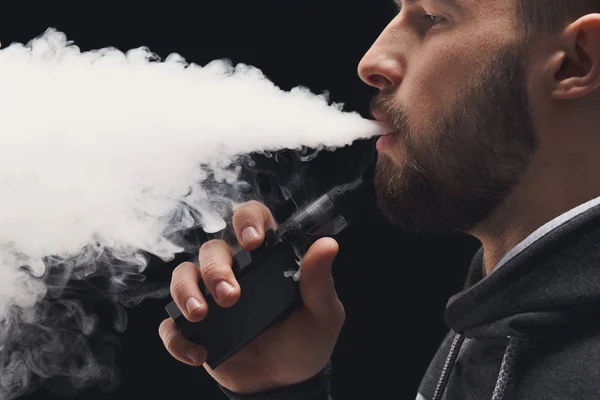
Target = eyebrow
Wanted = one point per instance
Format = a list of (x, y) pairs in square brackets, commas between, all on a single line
[(451, 3)]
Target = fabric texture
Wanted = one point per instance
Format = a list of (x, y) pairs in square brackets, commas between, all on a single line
[(316, 388), (528, 331)]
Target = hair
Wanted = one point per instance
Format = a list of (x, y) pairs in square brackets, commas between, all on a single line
[(550, 16)]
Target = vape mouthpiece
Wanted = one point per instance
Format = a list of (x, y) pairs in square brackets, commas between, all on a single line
[(344, 195), (383, 127), (325, 216)]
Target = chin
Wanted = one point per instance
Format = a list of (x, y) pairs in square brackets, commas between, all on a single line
[(395, 155)]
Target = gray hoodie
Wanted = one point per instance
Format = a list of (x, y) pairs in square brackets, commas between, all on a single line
[(530, 330)]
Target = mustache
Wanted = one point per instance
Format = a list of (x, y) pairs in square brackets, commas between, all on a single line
[(383, 105)]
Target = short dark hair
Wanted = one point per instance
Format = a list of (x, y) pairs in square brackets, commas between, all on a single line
[(550, 16)]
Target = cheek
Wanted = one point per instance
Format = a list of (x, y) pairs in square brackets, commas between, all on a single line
[(434, 79), (427, 91)]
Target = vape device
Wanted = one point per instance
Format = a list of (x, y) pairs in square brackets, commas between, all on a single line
[(268, 277)]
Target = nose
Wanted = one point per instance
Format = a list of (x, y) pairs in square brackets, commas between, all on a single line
[(383, 65)]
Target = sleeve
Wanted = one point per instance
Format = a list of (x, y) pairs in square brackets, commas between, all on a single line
[(316, 388)]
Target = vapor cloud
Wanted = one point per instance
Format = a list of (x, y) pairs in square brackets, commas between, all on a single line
[(104, 157)]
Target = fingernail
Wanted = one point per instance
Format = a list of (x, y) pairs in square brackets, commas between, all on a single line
[(223, 289), (194, 356), (249, 234), (192, 305)]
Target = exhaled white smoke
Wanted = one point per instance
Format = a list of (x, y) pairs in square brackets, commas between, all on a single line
[(104, 157)]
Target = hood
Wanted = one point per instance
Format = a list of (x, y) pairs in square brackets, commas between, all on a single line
[(552, 284)]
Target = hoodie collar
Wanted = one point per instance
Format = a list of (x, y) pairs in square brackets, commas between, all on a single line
[(552, 282), (546, 228)]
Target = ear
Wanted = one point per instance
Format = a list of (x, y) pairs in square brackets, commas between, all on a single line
[(577, 65)]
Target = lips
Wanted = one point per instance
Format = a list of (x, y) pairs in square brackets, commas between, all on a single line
[(385, 128), (388, 130), (379, 116), (385, 142), (388, 127)]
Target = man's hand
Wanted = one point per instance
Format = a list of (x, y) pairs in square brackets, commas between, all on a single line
[(289, 352)]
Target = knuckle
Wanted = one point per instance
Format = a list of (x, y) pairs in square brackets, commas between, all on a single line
[(167, 334), (169, 342), (184, 266), (252, 204), (162, 328), (210, 245), (339, 313), (245, 220), (342, 314), (178, 287), (252, 212), (246, 217), (182, 270), (213, 270)]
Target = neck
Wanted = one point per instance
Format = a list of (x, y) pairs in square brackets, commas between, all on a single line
[(550, 187)]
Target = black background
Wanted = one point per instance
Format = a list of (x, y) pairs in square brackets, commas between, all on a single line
[(394, 286)]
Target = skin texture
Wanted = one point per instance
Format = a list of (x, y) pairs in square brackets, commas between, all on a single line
[(494, 138), (456, 169), (496, 135), (287, 353)]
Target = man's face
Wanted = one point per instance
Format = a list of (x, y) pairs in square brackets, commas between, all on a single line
[(452, 79)]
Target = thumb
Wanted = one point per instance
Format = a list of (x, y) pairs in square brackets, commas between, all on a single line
[(316, 281)]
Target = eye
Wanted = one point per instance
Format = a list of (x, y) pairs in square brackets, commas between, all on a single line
[(433, 19)]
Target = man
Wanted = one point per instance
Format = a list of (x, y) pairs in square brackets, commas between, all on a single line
[(497, 117)]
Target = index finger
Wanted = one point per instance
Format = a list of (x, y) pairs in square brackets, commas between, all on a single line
[(250, 222)]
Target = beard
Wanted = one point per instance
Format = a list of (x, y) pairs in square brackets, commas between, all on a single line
[(457, 172)]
